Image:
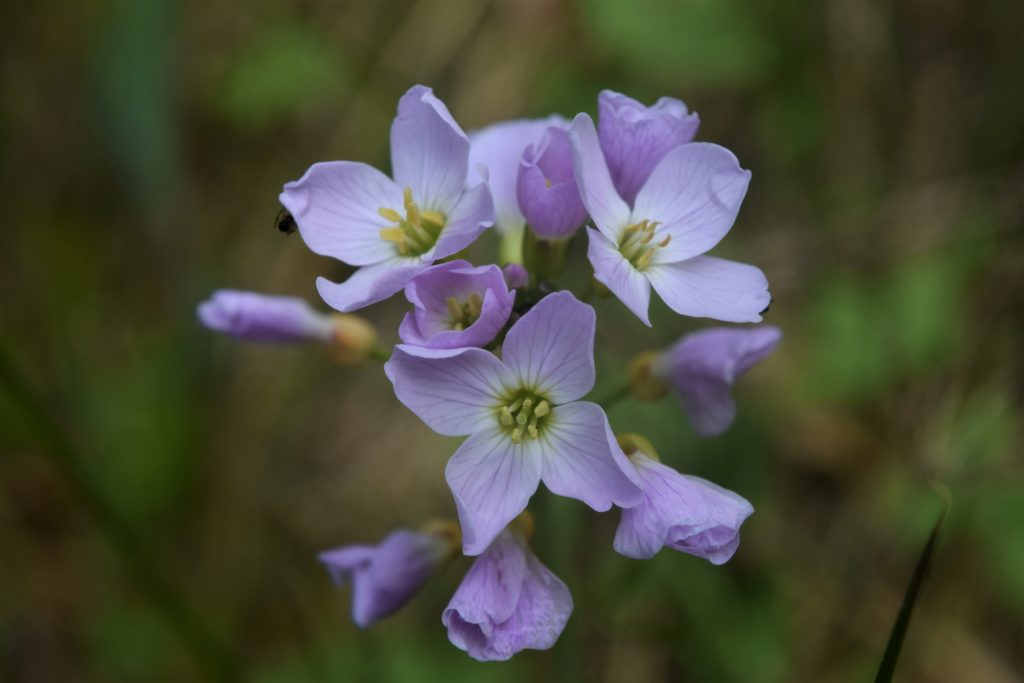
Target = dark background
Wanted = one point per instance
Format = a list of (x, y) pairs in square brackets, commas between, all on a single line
[(143, 146)]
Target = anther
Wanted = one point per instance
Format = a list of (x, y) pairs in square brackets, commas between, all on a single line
[(517, 435), (390, 214), (542, 409), (396, 235), (453, 307)]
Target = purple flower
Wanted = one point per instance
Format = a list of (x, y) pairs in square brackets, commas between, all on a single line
[(456, 306), (263, 318), (523, 417), (635, 138), (392, 229), (499, 148), (546, 188), (702, 367), (507, 602), (386, 576), (685, 207), (688, 514)]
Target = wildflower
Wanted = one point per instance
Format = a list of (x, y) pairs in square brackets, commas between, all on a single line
[(684, 513), (456, 306), (634, 138), (546, 188), (386, 576), (507, 602), (392, 229), (703, 366), (523, 417), (684, 208), (499, 148)]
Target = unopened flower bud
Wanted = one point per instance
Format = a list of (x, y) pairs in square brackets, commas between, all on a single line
[(645, 376), (634, 444), (546, 188), (516, 276), (352, 338), (263, 318)]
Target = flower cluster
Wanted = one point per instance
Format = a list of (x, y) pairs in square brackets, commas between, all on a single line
[(505, 358)]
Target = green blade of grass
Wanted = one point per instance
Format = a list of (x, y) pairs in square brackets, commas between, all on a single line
[(899, 629)]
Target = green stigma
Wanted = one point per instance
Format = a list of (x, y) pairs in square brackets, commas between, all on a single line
[(416, 232), (524, 415), (464, 313), (636, 243)]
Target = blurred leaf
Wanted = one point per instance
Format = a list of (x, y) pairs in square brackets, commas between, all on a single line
[(283, 69), (998, 511), (899, 629), (683, 42)]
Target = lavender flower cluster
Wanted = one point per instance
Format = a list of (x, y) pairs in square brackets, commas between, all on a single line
[(503, 357)]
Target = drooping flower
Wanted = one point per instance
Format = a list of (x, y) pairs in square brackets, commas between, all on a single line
[(685, 207), (523, 417), (634, 138), (499, 147), (386, 576), (393, 229), (507, 602), (456, 305), (263, 318), (546, 188), (703, 366), (684, 513)]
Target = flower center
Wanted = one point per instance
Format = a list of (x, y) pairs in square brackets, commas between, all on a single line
[(416, 232), (635, 243), (524, 415), (464, 313)]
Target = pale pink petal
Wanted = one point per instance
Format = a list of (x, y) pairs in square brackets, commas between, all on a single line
[(609, 213), (617, 274), (369, 284)]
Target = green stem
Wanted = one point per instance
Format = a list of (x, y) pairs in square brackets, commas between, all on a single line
[(380, 353), (210, 653), (613, 397)]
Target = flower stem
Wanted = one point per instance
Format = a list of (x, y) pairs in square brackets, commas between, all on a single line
[(379, 353), (614, 396)]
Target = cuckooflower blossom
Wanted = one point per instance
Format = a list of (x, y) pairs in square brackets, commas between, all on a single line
[(499, 147), (393, 229), (546, 188), (684, 513), (456, 305), (703, 366), (263, 318), (685, 207), (634, 138), (507, 602), (523, 417), (386, 576)]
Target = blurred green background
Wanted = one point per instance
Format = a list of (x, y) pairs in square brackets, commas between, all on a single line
[(144, 144)]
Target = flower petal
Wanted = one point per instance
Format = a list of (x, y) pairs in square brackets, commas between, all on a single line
[(709, 287), (429, 151), (544, 608), (335, 206), (454, 391), (369, 284), (491, 588), (260, 317), (635, 138), (341, 562), (583, 461), (609, 213), (703, 366), (551, 348), (617, 274), (499, 148), (685, 513), (695, 192), (473, 213), (492, 480)]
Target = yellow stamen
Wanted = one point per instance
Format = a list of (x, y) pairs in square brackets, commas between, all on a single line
[(390, 214), (396, 235), (543, 408), (453, 307)]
